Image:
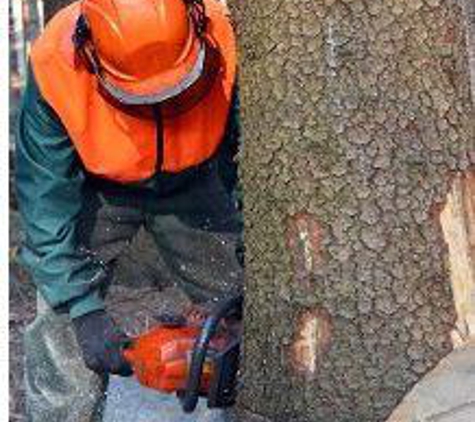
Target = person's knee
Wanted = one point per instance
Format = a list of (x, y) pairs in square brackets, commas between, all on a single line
[(57, 383)]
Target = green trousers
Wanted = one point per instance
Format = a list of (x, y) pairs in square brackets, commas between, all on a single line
[(194, 231)]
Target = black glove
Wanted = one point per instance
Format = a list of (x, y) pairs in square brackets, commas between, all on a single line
[(102, 342)]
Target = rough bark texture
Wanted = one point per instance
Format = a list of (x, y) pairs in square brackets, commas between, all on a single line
[(356, 115), (470, 19)]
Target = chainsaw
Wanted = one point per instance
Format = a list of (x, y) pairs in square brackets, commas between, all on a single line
[(191, 360)]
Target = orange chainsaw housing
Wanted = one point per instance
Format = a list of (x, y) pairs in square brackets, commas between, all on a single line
[(161, 358)]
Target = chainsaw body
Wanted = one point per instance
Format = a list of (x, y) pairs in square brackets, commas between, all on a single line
[(190, 360)]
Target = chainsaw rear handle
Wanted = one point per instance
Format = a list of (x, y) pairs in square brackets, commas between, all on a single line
[(189, 397)]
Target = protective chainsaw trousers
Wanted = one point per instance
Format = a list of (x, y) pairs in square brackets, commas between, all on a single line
[(193, 236)]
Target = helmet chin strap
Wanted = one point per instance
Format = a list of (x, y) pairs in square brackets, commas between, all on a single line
[(197, 12), (81, 38)]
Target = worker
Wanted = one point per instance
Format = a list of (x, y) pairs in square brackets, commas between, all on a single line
[(125, 113)]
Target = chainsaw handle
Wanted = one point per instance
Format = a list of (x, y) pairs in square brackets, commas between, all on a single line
[(189, 397), (165, 320)]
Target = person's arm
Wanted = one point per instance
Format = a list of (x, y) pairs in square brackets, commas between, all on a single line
[(49, 181), (49, 184), (230, 146)]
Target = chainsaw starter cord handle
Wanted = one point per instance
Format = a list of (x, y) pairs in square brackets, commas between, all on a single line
[(189, 397)]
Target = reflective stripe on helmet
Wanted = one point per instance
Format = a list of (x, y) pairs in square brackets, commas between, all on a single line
[(128, 98)]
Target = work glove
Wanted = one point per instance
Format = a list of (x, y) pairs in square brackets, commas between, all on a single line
[(102, 343)]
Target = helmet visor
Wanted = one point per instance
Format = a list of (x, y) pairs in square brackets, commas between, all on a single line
[(131, 99)]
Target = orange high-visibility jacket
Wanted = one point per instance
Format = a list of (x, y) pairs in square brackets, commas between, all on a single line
[(119, 146)]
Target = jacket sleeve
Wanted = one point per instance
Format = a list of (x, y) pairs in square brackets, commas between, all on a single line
[(49, 181), (230, 146)]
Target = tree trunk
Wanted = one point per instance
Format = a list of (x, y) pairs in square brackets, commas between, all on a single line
[(52, 6), (458, 222), (470, 18), (356, 116)]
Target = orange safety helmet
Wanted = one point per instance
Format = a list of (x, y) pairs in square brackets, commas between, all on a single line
[(145, 52)]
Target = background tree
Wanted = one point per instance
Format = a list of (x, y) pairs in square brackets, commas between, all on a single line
[(52, 6), (356, 116)]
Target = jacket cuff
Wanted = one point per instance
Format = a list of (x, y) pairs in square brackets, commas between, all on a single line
[(86, 304)]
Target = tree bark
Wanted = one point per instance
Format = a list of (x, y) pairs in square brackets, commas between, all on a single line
[(470, 19), (356, 116)]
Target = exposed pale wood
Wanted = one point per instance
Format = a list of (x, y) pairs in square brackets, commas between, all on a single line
[(458, 221)]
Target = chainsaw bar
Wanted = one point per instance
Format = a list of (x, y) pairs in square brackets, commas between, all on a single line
[(222, 391)]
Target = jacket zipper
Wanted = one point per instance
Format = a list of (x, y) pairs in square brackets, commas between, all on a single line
[(160, 141)]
